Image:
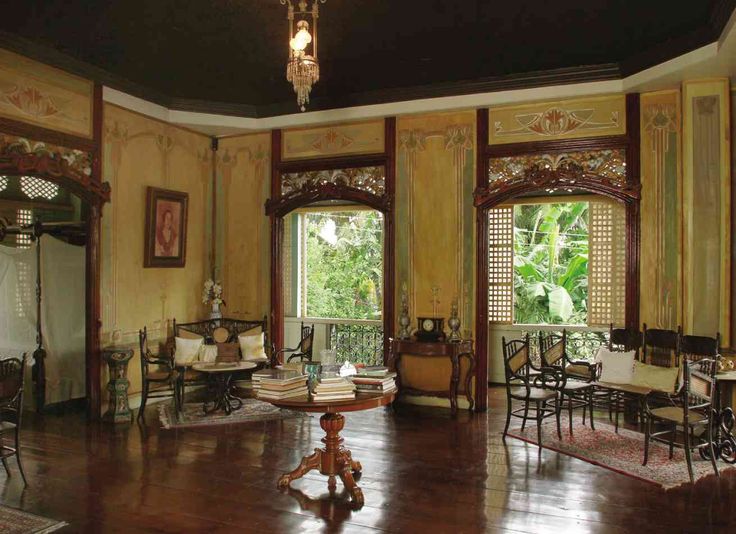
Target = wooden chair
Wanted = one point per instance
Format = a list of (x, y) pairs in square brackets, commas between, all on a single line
[(11, 409), (661, 347), (696, 408), (303, 351), (575, 393), (521, 387), (160, 378), (696, 348), (624, 339)]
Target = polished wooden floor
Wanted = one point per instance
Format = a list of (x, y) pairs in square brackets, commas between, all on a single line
[(423, 472)]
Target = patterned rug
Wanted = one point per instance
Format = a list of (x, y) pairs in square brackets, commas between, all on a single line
[(14, 521), (192, 415), (622, 452)]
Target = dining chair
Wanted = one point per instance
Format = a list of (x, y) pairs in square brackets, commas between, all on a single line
[(695, 409), (12, 372), (526, 388)]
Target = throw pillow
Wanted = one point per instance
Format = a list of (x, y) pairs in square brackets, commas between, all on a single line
[(252, 345), (208, 353), (187, 350), (228, 352), (656, 377), (616, 367)]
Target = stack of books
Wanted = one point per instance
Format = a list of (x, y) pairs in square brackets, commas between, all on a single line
[(279, 384), (331, 388), (375, 379)]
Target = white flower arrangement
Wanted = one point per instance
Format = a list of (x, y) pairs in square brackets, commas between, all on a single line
[(212, 292)]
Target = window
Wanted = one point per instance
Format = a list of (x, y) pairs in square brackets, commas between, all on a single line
[(38, 188), (341, 264), (551, 263), (554, 262), (23, 217)]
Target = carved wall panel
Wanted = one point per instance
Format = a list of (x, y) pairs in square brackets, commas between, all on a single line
[(334, 140), (44, 96), (565, 119)]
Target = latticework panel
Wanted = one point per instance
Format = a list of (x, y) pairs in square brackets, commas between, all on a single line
[(606, 164), (23, 217), (607, 264), (38, 188), (501, 265), (369, 179)]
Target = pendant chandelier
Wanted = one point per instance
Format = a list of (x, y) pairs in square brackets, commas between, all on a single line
[(302, 69)]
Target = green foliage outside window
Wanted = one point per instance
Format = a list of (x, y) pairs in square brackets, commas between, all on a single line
[(344, 270), (551, 263)]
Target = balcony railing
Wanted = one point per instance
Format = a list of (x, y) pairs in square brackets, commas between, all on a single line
[(357, 341)]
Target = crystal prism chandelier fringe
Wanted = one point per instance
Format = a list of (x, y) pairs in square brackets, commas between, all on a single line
[(302, 69)]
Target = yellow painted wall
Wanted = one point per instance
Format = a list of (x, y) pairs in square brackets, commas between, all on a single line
[(140, 152), (244, 178)]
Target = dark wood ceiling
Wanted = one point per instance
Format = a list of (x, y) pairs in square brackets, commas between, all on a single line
[(229, 55)]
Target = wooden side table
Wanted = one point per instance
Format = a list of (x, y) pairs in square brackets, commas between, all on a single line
[(118, 409), (433, 349)]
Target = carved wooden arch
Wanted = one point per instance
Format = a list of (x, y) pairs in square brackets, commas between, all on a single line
[(548, 179), (326, 192), (381, 199), (540, 178), (74, 163)]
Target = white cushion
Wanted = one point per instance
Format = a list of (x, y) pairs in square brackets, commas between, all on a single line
[(251, 345), (616, 367), (656, 377), (187, 350), (208, 353)]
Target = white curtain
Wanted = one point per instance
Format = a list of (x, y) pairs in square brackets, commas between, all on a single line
[(62, 318), (17, 301)]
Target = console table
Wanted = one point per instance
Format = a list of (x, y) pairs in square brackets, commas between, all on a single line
[(432, 349)]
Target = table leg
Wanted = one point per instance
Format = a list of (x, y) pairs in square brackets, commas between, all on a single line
[(454, 379), (469, 379), (223, 399), (333, 460)]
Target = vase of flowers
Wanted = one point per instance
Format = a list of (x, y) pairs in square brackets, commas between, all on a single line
[(212, 295)]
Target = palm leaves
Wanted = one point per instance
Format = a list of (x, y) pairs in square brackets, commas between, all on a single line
[(551, 263)]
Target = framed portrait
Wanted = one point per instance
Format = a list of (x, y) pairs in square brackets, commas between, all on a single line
[(166, 228)]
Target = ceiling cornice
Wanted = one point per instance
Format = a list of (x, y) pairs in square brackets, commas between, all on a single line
[(720, 16)]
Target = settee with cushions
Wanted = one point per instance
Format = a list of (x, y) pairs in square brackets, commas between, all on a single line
[(216, 340)]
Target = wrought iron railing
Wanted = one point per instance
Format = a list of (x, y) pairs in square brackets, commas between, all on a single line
[(581, 344), (357, 342)]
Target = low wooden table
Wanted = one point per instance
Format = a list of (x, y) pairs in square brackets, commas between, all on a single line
[(334, 459), (219, 376), (442, 349)]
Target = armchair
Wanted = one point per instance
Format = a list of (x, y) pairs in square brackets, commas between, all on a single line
[(11, 409), (532, 390), (575, 391), (303, 350), (693, 407), (158, 373)]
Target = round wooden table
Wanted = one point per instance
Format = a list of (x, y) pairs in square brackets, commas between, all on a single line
[(334, 459), (219, 376)]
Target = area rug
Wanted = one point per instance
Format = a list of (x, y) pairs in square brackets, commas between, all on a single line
[(192, 415), (14, 521), (622, 452)]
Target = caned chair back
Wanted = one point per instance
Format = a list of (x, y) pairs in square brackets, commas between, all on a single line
[(695, 348), (552, 349), (700, 381), (516, 357), (624, 339), (11, 382), (661, 347), (305, 346)]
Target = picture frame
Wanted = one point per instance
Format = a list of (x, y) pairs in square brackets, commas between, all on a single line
[(166, 228)]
